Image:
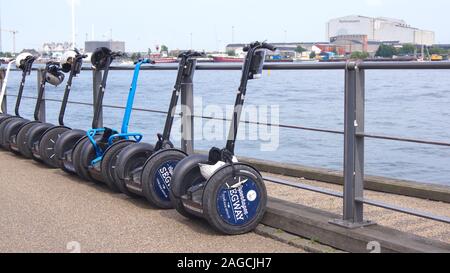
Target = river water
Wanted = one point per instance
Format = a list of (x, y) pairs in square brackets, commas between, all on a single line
[(411, 104)]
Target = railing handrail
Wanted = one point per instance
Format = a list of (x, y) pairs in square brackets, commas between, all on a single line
[(381, 65)]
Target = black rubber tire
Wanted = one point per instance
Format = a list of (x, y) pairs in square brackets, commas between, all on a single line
[(129, 159), (35, 134), (47, 146), (185, 175), (108, 165), (3, 125), (151, 168), (66, 143), (78, 163), (211, 192), (22, 137), (11, 129), (4, 116)]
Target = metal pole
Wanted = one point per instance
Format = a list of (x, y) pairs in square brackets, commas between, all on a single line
[(97, 82), (4, 105), (187, 111), (42, 114), (353, 213)]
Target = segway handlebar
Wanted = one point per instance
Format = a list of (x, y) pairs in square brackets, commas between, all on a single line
[(144, 61), (191, 54), (257, 45)]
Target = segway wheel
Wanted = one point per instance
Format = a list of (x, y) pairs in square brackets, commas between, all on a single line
[(235, 205), (130, 163), (22, 138), (157, 176), (66, 143), (186, 175), (47, 146), (3, 124), (11, 129), (109, 164), (34, 136), (79, 164)]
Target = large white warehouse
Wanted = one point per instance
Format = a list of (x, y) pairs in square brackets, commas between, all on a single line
[(379, 29)]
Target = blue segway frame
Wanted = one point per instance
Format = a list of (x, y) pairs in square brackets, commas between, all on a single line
[(124, 134)]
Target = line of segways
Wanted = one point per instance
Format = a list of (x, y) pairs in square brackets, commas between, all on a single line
[(216, 187)]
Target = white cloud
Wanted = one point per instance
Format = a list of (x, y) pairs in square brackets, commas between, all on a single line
[(374, 3)]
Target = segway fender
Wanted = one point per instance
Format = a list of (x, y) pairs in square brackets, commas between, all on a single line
[(67, 142), (178, 185), (129, 153)]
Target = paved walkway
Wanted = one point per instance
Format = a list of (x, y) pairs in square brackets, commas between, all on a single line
[(43, 210)]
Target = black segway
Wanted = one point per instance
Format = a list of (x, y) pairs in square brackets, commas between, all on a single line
[(142, 169), (230, 195), (66, 146), (42, 138), (24, 62), (18, 135)]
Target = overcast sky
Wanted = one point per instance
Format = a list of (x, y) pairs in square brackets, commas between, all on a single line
[(144, 24)]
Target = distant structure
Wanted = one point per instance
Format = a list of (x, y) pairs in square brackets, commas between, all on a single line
[(352, 43), (379, 29), (56, 49), (91, 46)]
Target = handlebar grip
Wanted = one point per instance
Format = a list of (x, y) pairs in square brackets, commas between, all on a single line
[(269, 47)]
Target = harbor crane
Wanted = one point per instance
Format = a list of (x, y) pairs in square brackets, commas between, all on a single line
[(14, 33)]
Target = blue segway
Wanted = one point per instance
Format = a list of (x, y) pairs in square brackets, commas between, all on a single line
[(230, 195), (142, 169), (68, 145), (99, 140)]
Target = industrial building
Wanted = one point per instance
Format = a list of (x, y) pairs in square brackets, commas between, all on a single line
[(90, 46), (379, 29)]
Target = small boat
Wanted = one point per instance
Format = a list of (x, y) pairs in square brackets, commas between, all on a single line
[(228, 59), (436, 58), (165, 60)]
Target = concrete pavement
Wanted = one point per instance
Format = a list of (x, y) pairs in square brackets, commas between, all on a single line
[(44, 210)]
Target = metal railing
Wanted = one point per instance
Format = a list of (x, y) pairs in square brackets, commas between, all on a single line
[(354, 131)]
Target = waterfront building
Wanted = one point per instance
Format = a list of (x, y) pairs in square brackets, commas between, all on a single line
[(56, 49), (379, 29), (90, 46)]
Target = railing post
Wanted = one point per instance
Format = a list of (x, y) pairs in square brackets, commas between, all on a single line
[(187, 108), (96, 83), (353, 213), (4, 105), (42, 107)]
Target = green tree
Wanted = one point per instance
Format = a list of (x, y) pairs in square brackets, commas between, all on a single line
[(300, 49), (164, 48), (386, 51), (312, 55), (231, 53), (437, 50), (136, 56), (359, 55), (407, 49), (6, 54), (149, 51)]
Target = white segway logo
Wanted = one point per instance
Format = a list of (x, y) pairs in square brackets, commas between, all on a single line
[(252, 195)]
